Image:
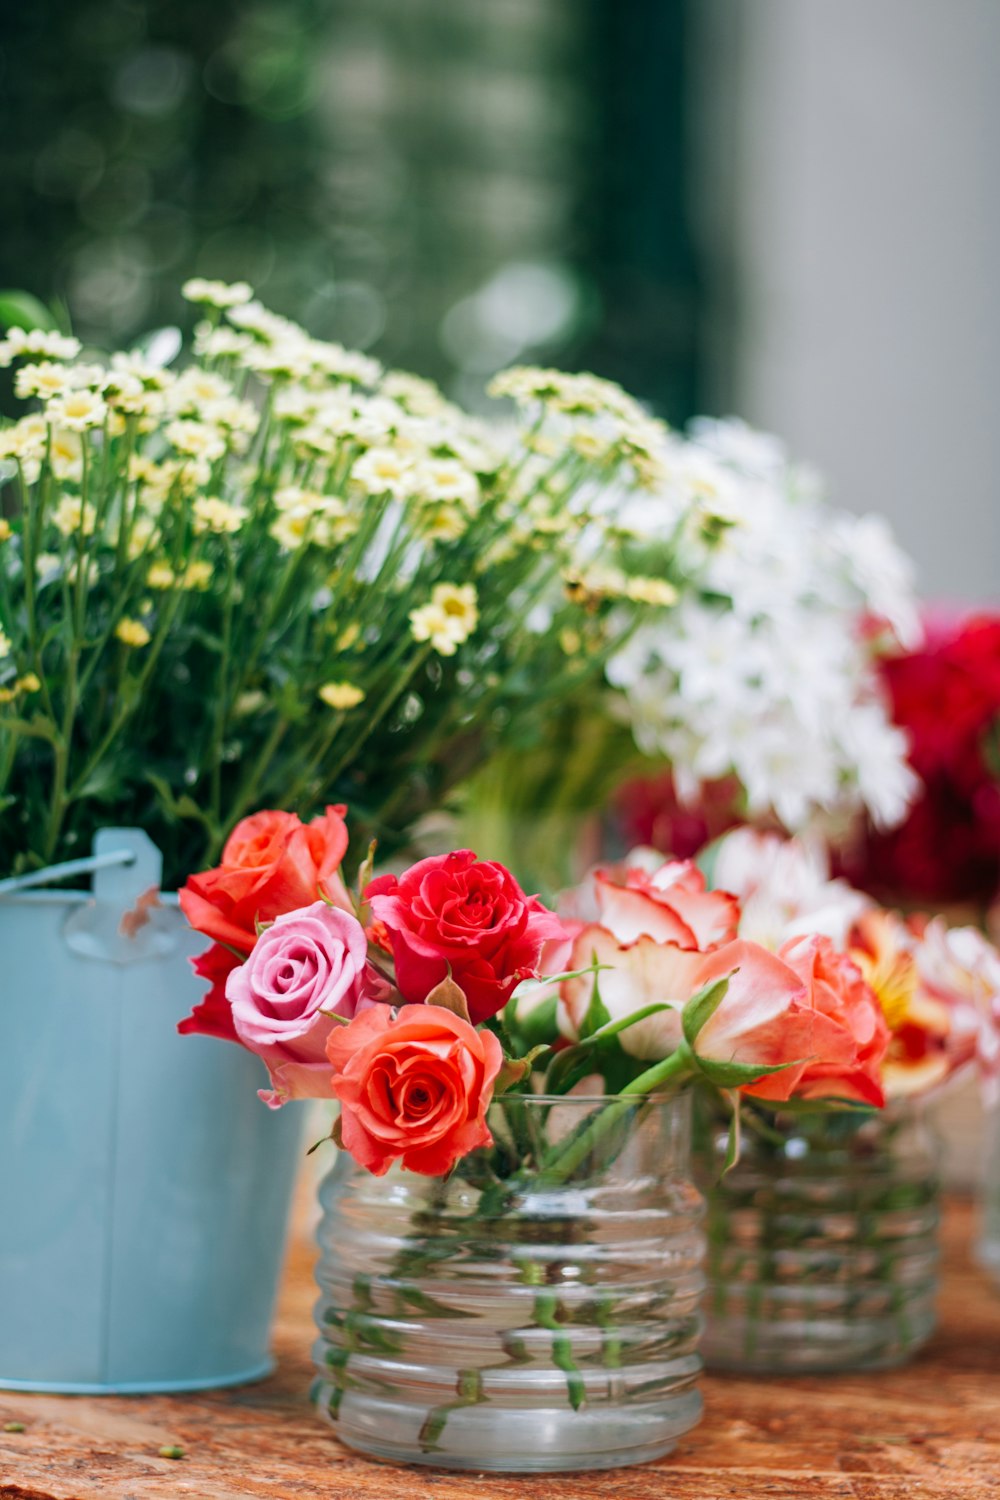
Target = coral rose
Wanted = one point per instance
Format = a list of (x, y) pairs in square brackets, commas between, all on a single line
[(414, 1086), (309, 966), (272, 863), (850, 1035), (454, 912)]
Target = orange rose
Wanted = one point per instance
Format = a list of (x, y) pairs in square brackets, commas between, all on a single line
[(413, 1085), (272, 863)]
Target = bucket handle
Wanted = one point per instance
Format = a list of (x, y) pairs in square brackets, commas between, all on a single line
[(65, 871)]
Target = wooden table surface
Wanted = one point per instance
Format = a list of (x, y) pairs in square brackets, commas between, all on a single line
[(927, 1432)]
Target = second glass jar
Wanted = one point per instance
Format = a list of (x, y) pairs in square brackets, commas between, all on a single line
[(822, 1240)]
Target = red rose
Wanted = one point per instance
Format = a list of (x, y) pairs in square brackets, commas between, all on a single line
[(272, 863), (454, 911), (413, 1085), (213, 1016)]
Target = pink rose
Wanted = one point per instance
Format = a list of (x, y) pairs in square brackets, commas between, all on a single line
[(636, 974), (768, 1019), (456, 912), (308, 962), (414, 1085), (670, 904)]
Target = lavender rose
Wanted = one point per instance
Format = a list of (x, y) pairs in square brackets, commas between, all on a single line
[(308, 961)]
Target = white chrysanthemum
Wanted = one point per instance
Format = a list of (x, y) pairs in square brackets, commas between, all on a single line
[(448, 620), (220, 343), (217, 293), (344, 364), (217, 516), (72, 515), (36, 343), (784, 888), (196, 440), (79, 410), (384, 471), (766, 673), (444, 479)]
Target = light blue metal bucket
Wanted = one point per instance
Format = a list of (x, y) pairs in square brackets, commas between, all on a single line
[(145, 1188)]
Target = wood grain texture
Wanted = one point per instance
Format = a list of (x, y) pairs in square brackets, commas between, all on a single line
[(927, 1432)]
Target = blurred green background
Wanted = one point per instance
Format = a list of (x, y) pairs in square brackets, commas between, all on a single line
[(453, 185)]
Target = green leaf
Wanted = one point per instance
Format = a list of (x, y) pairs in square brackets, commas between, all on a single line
[(729, 1075), (734, 1099), (538, 1027), (22, 310), (567, 1068), (38, 727), (367, 869), (702, 1006), (597, 1014), (103, 783), (612, 1028), (516, 1069), (177, 808)]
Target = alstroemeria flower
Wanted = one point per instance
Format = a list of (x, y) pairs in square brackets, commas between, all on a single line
[(930, 1000), (959, 967)]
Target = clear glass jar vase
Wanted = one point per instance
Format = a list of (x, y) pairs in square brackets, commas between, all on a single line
[(822, 1240), (536, 1310)]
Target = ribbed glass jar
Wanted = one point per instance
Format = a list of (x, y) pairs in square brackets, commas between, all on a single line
[(822, 1240), (536, 1310)]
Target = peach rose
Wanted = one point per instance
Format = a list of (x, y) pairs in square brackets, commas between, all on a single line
[(669, 903), (414, 1086), (761, 1020)]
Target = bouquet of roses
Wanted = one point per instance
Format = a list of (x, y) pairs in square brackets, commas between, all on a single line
[(508, 1057), (417, 998), (412, 1002), (937, 987)]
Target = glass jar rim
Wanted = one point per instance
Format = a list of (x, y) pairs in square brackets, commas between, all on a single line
[(590, 1098)]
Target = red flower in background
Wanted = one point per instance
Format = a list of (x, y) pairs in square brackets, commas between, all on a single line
[(946, 695), (651, 813)]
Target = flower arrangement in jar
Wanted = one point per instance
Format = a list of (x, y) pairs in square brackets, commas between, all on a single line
[(823, 1239), (511, 1241)]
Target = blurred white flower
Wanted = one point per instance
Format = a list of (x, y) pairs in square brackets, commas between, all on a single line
[(767, 673)]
